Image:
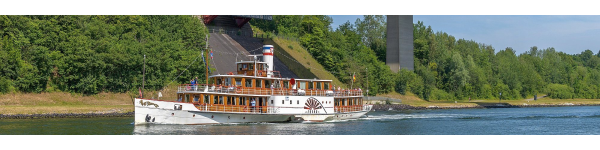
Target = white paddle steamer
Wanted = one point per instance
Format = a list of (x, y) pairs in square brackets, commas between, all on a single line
[(255, 93)]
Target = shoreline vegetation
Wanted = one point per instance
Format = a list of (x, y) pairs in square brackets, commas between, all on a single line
[(67, 105)]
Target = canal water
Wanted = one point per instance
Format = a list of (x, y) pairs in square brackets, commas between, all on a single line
[(581, 120)]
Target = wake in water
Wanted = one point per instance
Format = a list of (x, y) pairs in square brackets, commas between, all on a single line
[(417, 116)]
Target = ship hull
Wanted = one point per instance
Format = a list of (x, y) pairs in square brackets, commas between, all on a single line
[(166, 113), (352, 114), (349, 115)]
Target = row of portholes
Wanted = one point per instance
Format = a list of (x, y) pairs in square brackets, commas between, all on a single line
[(213, 116)]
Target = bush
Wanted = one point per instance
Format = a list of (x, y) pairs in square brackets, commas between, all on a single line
[(560, 91), (5, 85), (486, 92), (437, 94)]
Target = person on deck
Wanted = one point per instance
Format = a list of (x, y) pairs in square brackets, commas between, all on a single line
[(195, 84), (192, 84), (253, 104)]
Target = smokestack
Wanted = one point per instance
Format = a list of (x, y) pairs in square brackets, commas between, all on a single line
[(268, 58)]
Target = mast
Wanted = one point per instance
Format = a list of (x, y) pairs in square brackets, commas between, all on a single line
[(206, 67)]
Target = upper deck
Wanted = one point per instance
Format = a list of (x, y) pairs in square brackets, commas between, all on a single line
[(258, 78), (239, 90)]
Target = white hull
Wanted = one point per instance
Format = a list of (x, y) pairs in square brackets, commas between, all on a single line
[(352, 114), (349, 115), (166, 114), (315, 118)]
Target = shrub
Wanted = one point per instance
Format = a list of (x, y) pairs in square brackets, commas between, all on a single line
[(437, 94), (560, 91)]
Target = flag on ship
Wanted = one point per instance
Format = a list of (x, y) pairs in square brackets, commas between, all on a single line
[(141, 96)]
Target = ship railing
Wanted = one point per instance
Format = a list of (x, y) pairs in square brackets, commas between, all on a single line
[(348, 93), (266, 91), (276, 74), (353, 108), (238, 108)]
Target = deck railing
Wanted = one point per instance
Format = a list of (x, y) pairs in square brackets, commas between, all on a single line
[(267, 91), (270, 109)]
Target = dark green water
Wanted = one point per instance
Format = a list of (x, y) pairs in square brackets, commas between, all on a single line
[(501, 121)]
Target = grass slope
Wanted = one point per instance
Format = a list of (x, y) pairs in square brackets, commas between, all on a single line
[(299, 61)]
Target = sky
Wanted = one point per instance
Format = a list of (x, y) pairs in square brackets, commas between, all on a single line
[(569, 34)]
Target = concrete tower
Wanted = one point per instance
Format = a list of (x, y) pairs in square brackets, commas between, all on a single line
[(399, 53)]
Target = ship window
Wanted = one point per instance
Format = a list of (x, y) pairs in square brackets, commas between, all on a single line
[(319, 86), (310, 85), (326, 86), (187, 97), (196, 97), (244, 67), (220, 99), (215, 100), (228, 100), (242, 100), (290, 102), (286, 84), (298, 101), (206, 101), (303, 85), (259, 83), (251, 67), (267, 84), (248, 83), (282, 102), (238, 82)]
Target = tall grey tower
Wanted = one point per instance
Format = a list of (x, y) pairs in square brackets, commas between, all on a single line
[(399, 53)]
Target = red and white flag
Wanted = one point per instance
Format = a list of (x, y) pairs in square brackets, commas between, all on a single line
[(141, 96)]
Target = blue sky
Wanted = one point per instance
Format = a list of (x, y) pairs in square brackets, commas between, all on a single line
[(569, 34)]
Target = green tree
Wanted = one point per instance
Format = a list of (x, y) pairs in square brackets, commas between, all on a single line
[(459, 74), (372, 30)]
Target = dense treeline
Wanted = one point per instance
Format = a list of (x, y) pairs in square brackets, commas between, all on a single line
[(459, 69), (92, 54), (445, 68)]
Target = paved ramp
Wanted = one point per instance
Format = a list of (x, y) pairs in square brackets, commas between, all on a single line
[(227, 49)]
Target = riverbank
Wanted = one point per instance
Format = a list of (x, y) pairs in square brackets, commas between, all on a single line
[(410, 101), (68, 115), (64, 103), (394, 107)]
